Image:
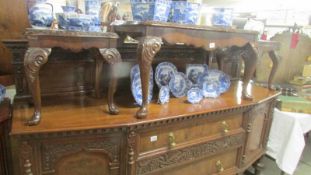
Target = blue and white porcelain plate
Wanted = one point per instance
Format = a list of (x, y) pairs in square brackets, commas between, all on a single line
[(164, 95), (215, 76), (193, 71), (224, 83), (179, 85), (136, 85), (194, 95), (210, 89), (2, 92), (164, 72)]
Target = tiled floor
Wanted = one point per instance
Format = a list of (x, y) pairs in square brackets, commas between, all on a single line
[(304, 167)]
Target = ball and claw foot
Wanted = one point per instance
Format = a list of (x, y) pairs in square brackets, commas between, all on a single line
[(34, 120), (142, 113), (113, 109)]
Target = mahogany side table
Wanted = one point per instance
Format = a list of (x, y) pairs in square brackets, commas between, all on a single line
[(151, 34), (41, 41)]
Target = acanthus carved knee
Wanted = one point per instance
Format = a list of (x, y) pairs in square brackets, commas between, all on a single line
[(34, 59), (111, 55)]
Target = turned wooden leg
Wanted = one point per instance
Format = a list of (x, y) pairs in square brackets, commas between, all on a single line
[(275, 58), (250, 58), (111, 56), (34, 59), (147, 48)]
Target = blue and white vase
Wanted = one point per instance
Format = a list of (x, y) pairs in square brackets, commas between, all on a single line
[(184, 12), (222, 17), (41, 14), (150, 10), (92, 7)]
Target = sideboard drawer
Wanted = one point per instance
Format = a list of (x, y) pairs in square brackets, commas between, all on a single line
[(192, 131), (219, 164), (176, 163)]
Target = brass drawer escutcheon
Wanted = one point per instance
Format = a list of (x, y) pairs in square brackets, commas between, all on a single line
[(171, 140), (219, 166), (225, 127)]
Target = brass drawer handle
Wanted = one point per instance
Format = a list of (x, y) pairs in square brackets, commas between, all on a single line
[(225, 126), (219, 166), (171, 139)]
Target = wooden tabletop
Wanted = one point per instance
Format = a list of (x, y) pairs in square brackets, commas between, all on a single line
[(82, 112), (186, 26), (66, 33)]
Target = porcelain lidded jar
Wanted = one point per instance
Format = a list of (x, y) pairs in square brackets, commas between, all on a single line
[(185, 12), (150, 10), (40, 13), (222, 17)]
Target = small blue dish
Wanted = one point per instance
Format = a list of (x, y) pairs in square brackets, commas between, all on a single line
[(164, 72), (179, 85), (69, 9), (210, 89), (193, 71), (2, 92), (194, 95), (164, 95)]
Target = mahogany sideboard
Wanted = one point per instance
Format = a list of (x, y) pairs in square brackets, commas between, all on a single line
[(5, 126), (218, 136)]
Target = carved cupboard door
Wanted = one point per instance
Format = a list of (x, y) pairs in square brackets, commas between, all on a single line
[(71, 153), (257, 125)]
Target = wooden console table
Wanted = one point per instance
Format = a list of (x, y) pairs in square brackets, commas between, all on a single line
[(218, 136), (40, 43), (151, 34)]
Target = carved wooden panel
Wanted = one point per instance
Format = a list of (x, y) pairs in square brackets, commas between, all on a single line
[(179, 156), (101, 155), (206, 166), (257, 122)]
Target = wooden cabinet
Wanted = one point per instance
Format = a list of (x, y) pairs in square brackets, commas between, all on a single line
[(94, 152), (218, 136), (5, 120), (257, 125)]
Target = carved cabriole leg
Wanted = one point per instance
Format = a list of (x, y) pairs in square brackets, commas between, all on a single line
[(34, 59), (275, 58), (147, 48), (98, 69), (250, 57), (111, 56)]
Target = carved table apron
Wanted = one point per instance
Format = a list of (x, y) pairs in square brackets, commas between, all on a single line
[(102, 46), (150, 35)]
